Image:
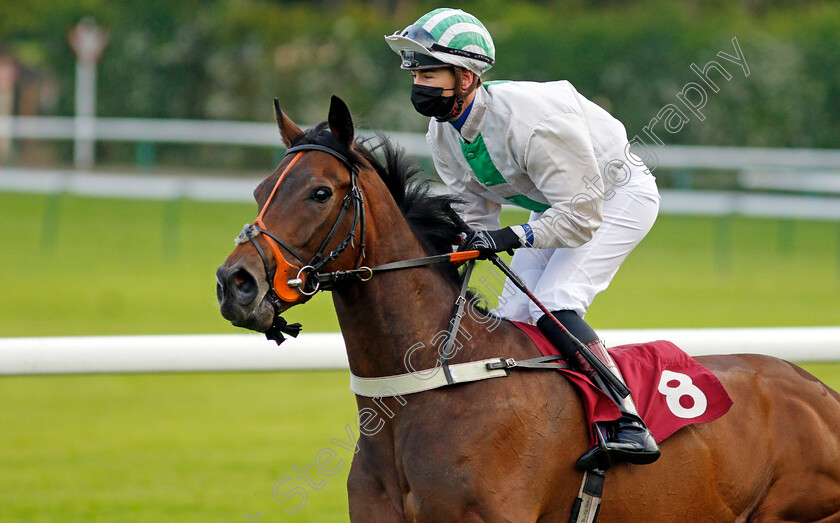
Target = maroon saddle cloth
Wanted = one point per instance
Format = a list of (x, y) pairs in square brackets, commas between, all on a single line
[(670, 388)]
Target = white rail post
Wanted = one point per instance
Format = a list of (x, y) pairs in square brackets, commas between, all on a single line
[(8, 79), (88, 42)]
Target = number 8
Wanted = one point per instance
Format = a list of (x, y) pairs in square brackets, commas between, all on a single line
[(685, 388)]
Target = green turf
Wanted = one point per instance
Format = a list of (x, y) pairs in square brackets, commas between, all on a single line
[(211, 447), (181, 447), (75, 266), (727, 272), (118, 266), (172, 447)]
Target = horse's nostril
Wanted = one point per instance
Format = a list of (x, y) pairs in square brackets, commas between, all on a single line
[(245, 286)]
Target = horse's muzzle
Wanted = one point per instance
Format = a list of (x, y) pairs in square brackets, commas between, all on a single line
[(238, 293)]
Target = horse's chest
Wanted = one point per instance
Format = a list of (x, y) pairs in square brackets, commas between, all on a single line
[(451, 454)]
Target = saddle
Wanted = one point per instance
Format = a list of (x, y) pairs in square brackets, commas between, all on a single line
[(670, 388)]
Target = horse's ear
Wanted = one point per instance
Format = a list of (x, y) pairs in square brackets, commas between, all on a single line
[(288, 129), (341, 123)]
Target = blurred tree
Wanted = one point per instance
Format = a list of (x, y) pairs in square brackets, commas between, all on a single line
[(228, 59)]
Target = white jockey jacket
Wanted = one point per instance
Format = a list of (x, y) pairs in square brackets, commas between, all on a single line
[(541, 146)]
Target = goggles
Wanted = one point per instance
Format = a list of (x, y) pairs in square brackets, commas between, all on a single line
[(415, 60), (420, 36)]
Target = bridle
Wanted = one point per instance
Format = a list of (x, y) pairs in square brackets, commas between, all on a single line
[(291, 282)]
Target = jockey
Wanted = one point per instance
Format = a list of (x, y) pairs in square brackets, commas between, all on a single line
[(546, 148)]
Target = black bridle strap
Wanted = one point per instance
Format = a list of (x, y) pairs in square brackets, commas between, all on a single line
[(354, 196), (329, 280), (324, 149), (359, 201), (318, 260), (280, 242)]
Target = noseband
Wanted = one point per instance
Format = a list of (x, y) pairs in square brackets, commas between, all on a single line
[(291, 282)]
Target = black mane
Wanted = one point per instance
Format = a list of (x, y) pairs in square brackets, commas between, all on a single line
[(430, 215)]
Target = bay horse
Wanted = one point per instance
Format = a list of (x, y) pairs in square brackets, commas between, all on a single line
[(502, 449)]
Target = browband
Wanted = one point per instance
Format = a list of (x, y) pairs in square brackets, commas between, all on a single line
[(324, 149)]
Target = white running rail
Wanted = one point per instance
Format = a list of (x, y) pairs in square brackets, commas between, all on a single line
[(239, 352)]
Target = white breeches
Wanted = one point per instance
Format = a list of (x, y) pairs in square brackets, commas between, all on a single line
[(569, 279)]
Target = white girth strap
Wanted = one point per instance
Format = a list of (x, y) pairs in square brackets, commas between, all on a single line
[(419, 381)]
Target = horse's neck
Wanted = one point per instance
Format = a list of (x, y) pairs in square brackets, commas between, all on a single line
[(396, 322), (393, 314)]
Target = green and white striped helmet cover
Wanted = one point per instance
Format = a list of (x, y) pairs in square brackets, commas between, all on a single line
[(458, 30)]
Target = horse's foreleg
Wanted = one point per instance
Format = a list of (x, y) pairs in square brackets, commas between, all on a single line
[(368, 498)]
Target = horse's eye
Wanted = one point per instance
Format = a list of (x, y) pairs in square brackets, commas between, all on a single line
[(321, 194)]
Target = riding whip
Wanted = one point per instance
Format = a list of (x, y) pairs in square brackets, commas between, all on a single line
[(615, 383)]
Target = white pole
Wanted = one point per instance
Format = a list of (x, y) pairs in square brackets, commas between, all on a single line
[(326, 351), (88, 41), (8, 79), (83, 147)]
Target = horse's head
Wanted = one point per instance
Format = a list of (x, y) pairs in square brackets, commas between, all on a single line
[(311, 214)]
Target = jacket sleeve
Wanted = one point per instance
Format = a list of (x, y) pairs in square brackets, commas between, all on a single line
[(560, 160), (478, 212)]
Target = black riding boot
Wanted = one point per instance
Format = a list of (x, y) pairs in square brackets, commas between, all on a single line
[(626, 439)]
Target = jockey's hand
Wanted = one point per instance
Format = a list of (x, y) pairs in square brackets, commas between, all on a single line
[(490, 242)]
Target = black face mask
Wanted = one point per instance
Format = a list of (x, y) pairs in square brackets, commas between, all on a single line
[(429, 101)]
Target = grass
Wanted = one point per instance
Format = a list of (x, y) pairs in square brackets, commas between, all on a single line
[(727, 272), (117, 266), (87, 266), (181, 447), (171, 447), (211, 447)]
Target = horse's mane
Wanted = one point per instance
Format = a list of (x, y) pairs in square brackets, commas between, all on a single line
[(431, 216)]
